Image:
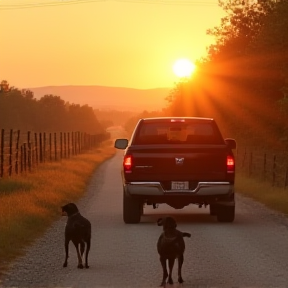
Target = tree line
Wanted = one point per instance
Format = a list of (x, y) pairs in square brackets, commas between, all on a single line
[(243, 80), (20, 110)]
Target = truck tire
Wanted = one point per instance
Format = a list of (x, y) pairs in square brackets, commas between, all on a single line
[(225, 213), (132, 209), (213, 209)]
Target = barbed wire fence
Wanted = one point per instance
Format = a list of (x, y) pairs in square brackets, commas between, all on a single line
[(21, 152), (266, 166)]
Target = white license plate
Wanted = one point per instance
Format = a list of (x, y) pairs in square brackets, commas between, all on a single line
[(175, 185)]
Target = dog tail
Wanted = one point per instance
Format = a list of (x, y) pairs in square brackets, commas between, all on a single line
[(185, 234)]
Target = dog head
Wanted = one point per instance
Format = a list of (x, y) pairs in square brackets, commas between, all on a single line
[(167, 223), (69, 209)]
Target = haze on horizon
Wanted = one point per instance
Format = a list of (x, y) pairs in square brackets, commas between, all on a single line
[(108, 43)]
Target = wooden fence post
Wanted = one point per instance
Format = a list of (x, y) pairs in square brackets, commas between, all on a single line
[(29, 154), (44, 147), (61, 145), (77, 143), (25, 156), (21, 159), (10, 151), (80, 142), (55, 146), (2, 154), (68, 145), (50, 147), (73, 144), (36, 148), (17, 153), (40, 148), (65, 146)]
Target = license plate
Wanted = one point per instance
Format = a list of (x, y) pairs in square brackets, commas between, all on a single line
[(175, 185)]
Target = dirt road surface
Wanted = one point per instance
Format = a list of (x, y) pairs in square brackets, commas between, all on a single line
[(251, 252)]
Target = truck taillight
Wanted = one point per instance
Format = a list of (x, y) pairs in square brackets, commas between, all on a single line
[(177, 120), (230, 164), (127, 163)]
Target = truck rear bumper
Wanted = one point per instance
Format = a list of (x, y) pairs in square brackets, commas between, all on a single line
[(156, 189)]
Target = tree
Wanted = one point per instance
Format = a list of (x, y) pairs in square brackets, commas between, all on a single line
[(51, 114), (4, 86), (236, 31), (239, 76)]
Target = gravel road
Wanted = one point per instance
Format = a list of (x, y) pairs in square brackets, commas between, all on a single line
[(251, 252)]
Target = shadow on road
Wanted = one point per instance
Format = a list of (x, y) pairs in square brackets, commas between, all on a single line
[(196, 217)]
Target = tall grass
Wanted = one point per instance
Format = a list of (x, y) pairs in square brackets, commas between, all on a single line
[(273, 197), (30, 203)]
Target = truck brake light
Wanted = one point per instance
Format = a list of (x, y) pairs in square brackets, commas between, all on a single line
[(177, 120), (230, 164), (127, 163)]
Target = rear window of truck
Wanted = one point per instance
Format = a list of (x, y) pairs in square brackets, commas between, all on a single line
[(178, 133)]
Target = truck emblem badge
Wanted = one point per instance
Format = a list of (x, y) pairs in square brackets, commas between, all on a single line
[(179, 161)]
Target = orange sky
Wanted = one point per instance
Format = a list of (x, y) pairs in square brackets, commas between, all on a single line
[(132, 43)]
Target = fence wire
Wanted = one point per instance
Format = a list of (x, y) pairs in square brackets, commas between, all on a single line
[(268, 166), (23, 151)]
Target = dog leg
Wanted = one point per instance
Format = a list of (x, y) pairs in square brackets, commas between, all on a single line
[(66, 252), (165, 273), (80, 264), (171, 262), (82, 248), (180, 263), (87, 252)]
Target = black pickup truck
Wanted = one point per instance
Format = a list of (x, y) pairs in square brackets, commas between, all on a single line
[(178, 161)]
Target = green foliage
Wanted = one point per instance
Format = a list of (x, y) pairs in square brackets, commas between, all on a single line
[(236, 31)]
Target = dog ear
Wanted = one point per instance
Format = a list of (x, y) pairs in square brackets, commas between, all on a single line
[(73, 207), (174, 222), (63, 211), (160, 222)]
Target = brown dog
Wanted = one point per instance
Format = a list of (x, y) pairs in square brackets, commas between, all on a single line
[(171, 246), (78, 230)]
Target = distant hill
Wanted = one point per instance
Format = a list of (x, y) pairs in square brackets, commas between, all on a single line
[(102, 97)]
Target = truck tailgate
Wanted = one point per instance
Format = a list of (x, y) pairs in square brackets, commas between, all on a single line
[(179, 163)]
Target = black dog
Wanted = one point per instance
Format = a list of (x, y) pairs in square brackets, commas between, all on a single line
[(78, 230), (170, 246)]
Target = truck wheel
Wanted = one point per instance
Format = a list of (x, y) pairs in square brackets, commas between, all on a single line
[(132, 210), (226, 213), (213, 209)]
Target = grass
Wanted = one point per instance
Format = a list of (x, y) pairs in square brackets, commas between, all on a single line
[(275, 198), (30, 203)]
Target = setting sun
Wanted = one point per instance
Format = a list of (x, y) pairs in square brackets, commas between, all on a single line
[(183, 68)]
